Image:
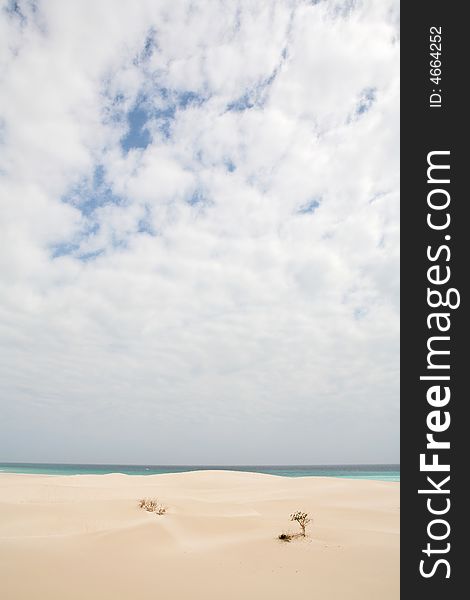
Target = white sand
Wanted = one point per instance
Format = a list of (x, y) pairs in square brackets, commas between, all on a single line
[(84, 538)]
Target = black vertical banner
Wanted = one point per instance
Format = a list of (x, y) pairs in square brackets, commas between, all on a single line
[(434, 254)]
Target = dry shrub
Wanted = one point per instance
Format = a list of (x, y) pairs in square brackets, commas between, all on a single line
[(302, 519), (152, 505)]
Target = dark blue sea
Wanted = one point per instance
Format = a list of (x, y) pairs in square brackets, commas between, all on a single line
[(378, 472)]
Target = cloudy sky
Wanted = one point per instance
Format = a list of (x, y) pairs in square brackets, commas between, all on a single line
[(199, 231)]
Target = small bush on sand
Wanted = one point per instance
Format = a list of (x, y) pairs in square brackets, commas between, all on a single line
[(152, 505), (302, 519), (285, 537)]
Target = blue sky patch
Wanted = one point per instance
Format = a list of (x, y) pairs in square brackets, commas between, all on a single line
[(64, 249), (87, 256), (367, 99), (197, 197), (150, 45), (145, 224), (230, 166), (13, 10), (310, 206), (72, 247), (185, 99), (88, 196), (138, 135), (245, 102), (163, 115), (256, 96)]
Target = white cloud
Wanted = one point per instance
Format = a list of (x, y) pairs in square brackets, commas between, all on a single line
[(193, 310)]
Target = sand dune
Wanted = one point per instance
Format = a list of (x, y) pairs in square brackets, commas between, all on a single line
[(84, 538)]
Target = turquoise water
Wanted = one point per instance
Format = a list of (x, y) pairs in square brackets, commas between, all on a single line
[(378, 472)]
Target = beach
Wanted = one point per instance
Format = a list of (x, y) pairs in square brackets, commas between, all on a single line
[(85, 537)]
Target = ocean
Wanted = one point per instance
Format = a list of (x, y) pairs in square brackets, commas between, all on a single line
[(377, 472)]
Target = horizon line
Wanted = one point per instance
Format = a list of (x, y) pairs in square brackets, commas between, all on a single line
[(200, 464)]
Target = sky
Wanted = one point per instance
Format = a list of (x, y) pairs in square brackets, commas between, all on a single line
[(199, 242)]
